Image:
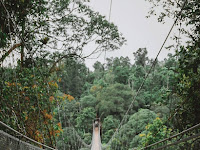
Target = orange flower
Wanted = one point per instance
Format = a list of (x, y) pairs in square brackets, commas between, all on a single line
[(56, 85), (64, 96), (27, 98), (51, 98), (26, 87), (34, 86), (70, 98), (57, 131), (59, 124), (59, 79), (52, 133), (49, 116), (52, 83), (44, 111), (8, 84)]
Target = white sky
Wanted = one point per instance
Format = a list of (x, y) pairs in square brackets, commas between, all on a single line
[(140, 32)]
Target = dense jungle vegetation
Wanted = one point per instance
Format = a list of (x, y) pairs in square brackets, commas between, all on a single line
[(49, 94)]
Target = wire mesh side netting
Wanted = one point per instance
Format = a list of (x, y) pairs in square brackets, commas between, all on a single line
[(8, 142)]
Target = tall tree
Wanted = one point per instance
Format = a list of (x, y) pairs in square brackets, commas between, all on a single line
[(188, 61), (66, 27), (188, 86), (141, 56), (114, 100), (72, 76)]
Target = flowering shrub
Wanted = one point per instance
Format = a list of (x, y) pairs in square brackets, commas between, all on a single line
[(154, 132), (27, 104)]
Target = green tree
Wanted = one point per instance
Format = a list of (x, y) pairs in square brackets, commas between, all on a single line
[(188, 87), (98, 70), (72, 74), (188, 16), (187, 69), (154, 132), (27, 102), (85, 119), (72, 28), (109, 126), (141, 56), (114, 100), (88, 101), (121, 74), (128, 135), (135, 125)]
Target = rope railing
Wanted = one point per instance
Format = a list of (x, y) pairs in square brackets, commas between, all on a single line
[(174, 136), (180, 141)]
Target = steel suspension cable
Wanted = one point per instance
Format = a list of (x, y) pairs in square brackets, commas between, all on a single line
[(110, 10), (180, 141), (173, 136), (151, 68)]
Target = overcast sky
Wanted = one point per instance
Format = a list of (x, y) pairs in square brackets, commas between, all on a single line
[(140, 32)]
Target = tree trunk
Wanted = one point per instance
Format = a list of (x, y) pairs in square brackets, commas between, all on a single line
[(22, 47)]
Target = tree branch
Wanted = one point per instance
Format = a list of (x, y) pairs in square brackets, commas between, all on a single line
[(9, 51), (57, 61)]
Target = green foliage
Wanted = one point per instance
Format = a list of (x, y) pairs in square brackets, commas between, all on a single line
[(141, 57), (154, 132), (56, 34), (109, 126), (111, 99), (25, 98), (70, 140), (98, 70), (21, 11), (72, 28), (85, 119), (88, 101), (72, 76), (188, 86), (135, 125), (114, 100), (121, 74), (3, 39)]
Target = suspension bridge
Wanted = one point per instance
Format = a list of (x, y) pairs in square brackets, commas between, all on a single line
[(9, 142), (10, 139)]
